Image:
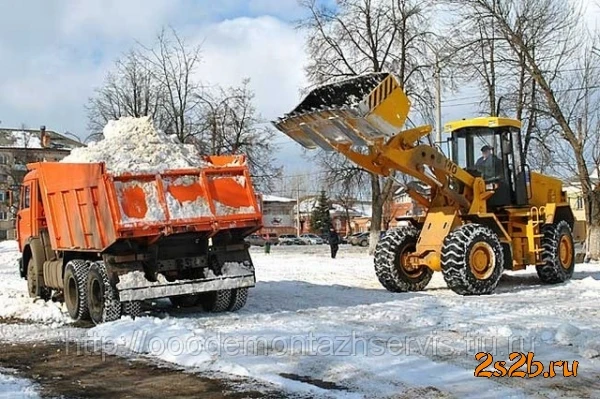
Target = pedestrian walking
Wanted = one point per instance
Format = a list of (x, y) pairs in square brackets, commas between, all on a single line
[(334, 242)]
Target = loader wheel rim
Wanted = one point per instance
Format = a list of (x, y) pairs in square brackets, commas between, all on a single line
[(402, 259), (482, 260), (565, 252)]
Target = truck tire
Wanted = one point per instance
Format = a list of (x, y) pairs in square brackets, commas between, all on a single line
[(389, 266), (238, 299), (34, 286), (472, 260), (185, 301), (103, 303), (132, 309), (75, 290), (216, 301), (558, 253)]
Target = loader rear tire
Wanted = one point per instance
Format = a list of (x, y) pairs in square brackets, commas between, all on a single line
[(185, 301), (558, 253), (75, 290), (390, 257), (472, 260), (216, 301), (34, 285), (103, 303)]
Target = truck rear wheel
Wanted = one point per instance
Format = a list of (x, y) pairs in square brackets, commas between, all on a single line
[(75, 291), (133, 309), (472, 260), (558, 253), (185, 301), (34, 286), (238, 299), (224, 300), (103, 303), (390, 262), (216, 301)]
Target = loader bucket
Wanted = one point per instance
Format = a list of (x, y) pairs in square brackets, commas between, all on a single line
[(355, 111)]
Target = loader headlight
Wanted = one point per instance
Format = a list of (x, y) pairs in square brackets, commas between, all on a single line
[(491, 186)]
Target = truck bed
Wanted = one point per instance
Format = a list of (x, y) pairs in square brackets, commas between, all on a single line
[(88, 209)]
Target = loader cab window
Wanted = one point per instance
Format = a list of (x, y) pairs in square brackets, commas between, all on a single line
[(479, 151), (496, 155)]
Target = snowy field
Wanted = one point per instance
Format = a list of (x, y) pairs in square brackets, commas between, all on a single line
[(319, 327)]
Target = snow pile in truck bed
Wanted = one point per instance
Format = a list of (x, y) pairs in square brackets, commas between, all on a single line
[(134, 145)]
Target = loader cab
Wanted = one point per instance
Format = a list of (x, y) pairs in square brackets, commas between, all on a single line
[(491, 148)]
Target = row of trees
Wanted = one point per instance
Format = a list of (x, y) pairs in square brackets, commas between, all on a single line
[(161, 81), (534, 60)]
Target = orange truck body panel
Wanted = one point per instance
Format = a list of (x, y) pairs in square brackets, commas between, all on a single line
[(85, 208)]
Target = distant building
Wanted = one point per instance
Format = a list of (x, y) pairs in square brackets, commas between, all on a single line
[(341, 215), (278, 215), (18, 147)]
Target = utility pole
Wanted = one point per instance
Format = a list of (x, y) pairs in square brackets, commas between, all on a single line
[(298, 208), (438, 101)]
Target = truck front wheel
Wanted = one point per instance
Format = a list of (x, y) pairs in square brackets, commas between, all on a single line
[(74, 289), (34, 286), (103, 303)]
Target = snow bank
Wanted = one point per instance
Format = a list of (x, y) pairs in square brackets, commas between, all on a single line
[(22, 139), (134, 145), (15, 302)]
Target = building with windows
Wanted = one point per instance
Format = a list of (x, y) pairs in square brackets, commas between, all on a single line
[(18, 147)]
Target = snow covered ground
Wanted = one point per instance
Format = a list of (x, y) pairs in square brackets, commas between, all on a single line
[(16, 388), (322, 327)]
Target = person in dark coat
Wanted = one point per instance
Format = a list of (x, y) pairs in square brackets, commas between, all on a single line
[(334, 241), (489, 165)]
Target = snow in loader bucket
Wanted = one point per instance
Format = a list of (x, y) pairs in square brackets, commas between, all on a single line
[(134, 286), (354, 111)]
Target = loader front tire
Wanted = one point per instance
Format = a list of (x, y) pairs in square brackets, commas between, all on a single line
[(75, 291), (103, 303), (390, 262), (472, 260), (558, 254)]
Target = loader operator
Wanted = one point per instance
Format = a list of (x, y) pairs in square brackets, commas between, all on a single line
[(489, 165)]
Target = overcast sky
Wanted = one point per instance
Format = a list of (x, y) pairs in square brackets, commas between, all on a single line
[(54, 53)]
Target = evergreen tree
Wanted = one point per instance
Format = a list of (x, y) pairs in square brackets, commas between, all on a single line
[(321, 219)]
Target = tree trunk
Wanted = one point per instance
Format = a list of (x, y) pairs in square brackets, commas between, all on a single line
[(379, 196), (593, 227), (376, 213)]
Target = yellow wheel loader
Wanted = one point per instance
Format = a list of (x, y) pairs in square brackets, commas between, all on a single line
[(486, 211)]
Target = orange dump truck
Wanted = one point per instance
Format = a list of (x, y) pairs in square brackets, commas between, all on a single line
[(103, 243)]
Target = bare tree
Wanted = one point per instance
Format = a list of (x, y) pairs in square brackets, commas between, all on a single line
[(156, 81), (361, 36), (129, 90), (547, 34), (228, 123), (172, 65)]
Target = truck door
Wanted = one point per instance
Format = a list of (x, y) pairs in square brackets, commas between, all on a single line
[(25, 215)]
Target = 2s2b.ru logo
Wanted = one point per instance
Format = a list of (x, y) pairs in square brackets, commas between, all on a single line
[(534, 368)]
